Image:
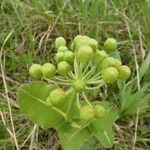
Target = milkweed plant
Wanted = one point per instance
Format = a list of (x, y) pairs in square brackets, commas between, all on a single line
[(63, 95)]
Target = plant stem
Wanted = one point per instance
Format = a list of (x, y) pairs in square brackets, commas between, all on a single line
[(76, 68), (71, 75), (60, 112), (63, 80), (88, 75), (86, 69), (86, 99), (78, 101)]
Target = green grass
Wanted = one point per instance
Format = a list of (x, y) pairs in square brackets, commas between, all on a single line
[(34, 26)]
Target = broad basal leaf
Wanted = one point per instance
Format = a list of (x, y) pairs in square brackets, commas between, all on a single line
[(106, 137), (110, 117), (73, 138), (31, 99), (91, 143), (102, 127), (70, 106)]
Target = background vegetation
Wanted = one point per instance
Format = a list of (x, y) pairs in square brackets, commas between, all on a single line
[(27, 32)]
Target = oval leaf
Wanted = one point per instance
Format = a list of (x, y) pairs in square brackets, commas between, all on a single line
[(31, 99), (102, 127), (73, 138)]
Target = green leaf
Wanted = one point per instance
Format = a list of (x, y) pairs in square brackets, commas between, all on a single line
[(110, 117), (145, 66), (72, 109), (70, 106), (116, 55), (131, 101), (106, 137), (73, 138), (92, 142), (31, 99), (102, 127)]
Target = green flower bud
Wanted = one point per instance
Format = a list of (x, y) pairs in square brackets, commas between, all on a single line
[(35, 71), (56, 97), (60, 41), (62, 49), (80, 41), (99, 111), (110, 75), (87, 112), (69, 57), (100, 56), (85, 53), (59, 56), (108, 62), (63, 68), (94, 44), (77, 38), (48, 70), (124, 72), (78, 85), (110, 45)]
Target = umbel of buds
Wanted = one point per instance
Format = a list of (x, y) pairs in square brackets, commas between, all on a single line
[(81, 66), (83, 51)]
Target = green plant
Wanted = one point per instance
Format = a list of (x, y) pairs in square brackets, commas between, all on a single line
[(64, 98), (48, 70), (110, 45)]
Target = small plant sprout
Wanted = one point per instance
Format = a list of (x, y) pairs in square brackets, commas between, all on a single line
[(64, 98)]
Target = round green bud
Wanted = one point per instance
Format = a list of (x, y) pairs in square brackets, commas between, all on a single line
[(84, 40), (60, 41), (69, 57), (85, 53), (110, 75), (78, 85), (48, 70), (99, 111), (59, 57), (108, 62), (77, 38), (63, 68), (87, 112), (62, 49), (110, 45), (35, 71), (124, 72), (94, 44), (56, 97), (100, 56), (86, 37), (81, 38)]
